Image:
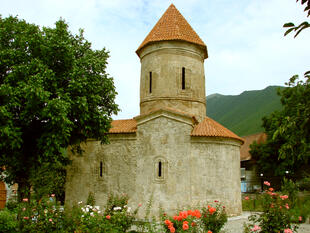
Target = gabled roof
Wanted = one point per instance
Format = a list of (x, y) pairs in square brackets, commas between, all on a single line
[(172, 26), (248, 140), (123, 126), (210, 128)]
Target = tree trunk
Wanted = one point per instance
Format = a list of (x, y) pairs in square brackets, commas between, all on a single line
[(23, 190)]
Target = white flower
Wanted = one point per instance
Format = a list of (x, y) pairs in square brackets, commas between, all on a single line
[(87, 209), (92, 214), (99, 212), (117, 208), (80, 202), (83, 209), (97, 207), (128, 210)]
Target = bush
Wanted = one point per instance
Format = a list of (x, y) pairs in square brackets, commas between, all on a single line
[(8, 221), (213, 218), (186, 221), (45, 215), (275, 217)]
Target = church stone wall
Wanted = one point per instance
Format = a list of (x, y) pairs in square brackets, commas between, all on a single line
[(165, 60), (194, 170), (215, 174), (103, 169)]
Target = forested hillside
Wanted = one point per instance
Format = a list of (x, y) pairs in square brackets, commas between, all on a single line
[(242, 113)]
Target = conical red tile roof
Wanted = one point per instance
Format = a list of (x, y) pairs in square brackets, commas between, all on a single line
[(210, 128), (172, 26)]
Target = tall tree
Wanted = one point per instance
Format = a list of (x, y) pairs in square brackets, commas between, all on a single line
[(54, 92), (288, 132)]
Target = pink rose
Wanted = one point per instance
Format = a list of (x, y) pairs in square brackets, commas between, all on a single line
[(256, 228), (288, 230), (266, 183), (284, 197)]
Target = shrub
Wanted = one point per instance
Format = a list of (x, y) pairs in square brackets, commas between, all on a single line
[(45, 215), (8, 221), (213, 218), (120, 214), (186, 221), (275, 217)]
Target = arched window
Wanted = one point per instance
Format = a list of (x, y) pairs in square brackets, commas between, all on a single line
[(160, 169)]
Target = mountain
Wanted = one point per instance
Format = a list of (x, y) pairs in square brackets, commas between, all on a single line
[(243, 113)]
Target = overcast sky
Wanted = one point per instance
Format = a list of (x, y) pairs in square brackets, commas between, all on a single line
[(247, 50)]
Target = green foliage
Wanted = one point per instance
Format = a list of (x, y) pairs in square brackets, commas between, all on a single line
[(253, 203), (301, 26), (288, 133), (242, 114), (276, 215), (120, 214), (54, 92), (213, 221), (45, 215), (8, 223)]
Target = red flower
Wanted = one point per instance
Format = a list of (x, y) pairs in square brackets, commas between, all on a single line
[(300, 218), (246, 198), (197, 214), (25, 199), (108, 217), (193, 224), (172, 229), (212, 210), (167, 222), (209, 231), (185, 227), (26, 217), (216, 201), (175, 217), (183, 214)]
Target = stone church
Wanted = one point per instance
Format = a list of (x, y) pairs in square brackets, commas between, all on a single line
[(172, 151)]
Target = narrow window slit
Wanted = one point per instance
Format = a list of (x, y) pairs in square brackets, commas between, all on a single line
[(100, 169), (183, 78), (150, 82), (159, 169)]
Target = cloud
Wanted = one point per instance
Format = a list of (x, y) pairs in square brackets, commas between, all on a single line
[(245, 40)]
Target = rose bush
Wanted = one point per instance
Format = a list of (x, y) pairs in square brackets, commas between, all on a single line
[(275, 217)]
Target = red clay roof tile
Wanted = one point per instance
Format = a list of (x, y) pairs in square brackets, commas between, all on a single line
[(248, 140), (172, 26), (123, 126), (210, 128)]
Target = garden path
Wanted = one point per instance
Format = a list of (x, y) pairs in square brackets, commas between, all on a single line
[(235, 224)]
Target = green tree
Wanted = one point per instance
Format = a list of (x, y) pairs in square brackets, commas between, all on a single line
[(297, 29), (54, 93), (288, 132)]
